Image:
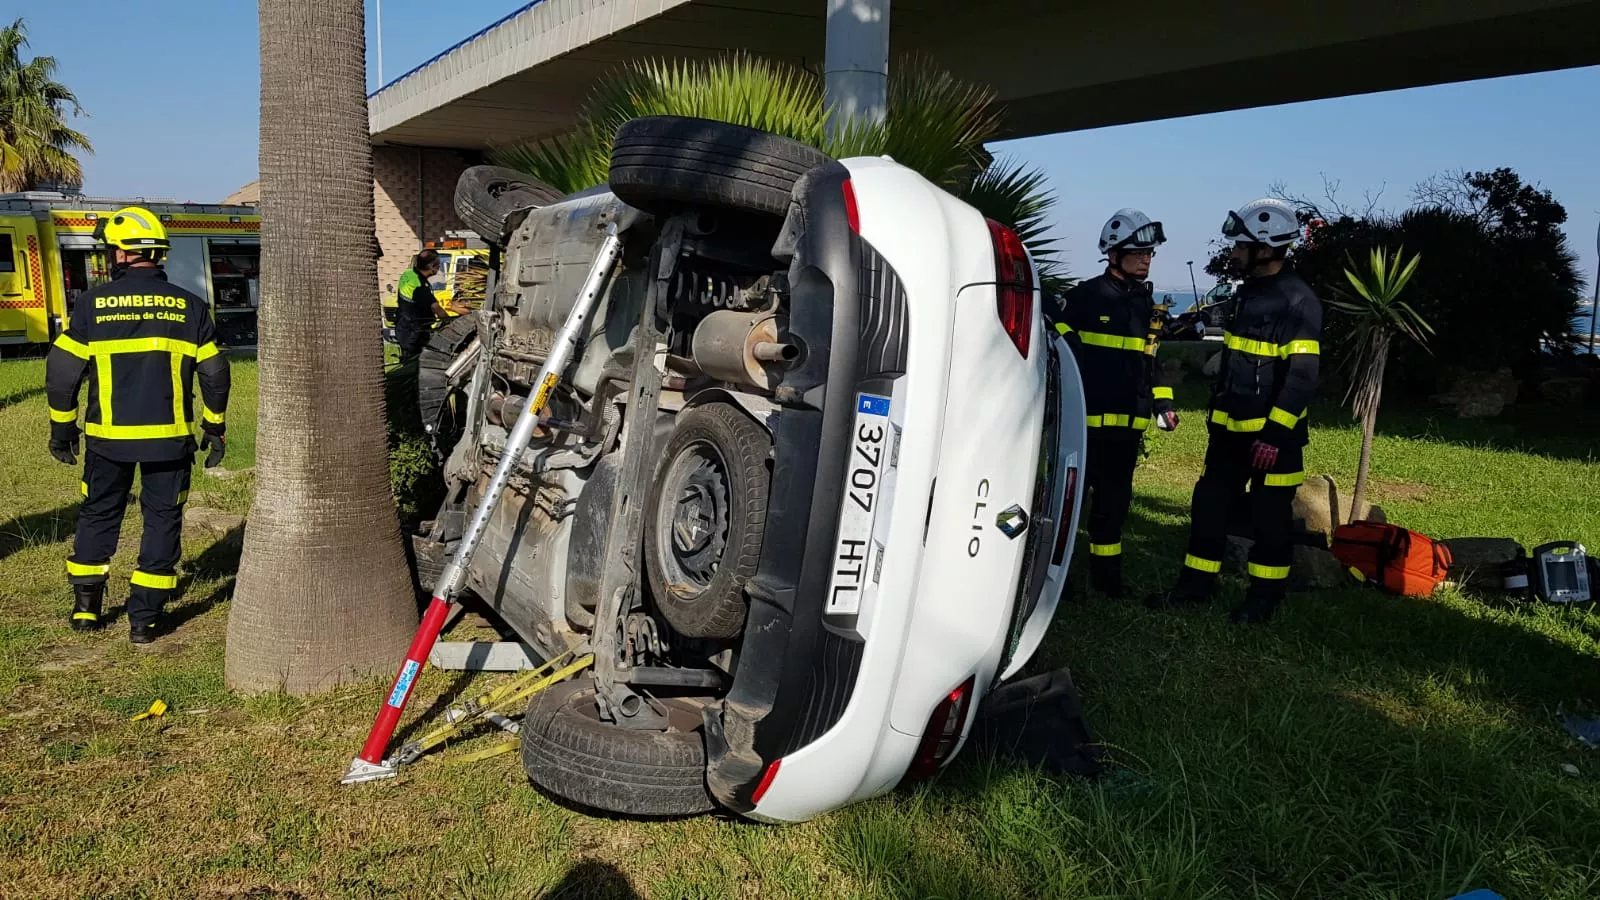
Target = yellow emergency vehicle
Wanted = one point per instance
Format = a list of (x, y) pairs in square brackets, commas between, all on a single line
[(48, 256), (463, 262)]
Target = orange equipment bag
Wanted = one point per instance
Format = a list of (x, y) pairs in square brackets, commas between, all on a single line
[(1399, 561)]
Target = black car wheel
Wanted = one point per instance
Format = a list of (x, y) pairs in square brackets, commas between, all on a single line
[(493, 200), (704, 526), (568, 750), (661, 164)]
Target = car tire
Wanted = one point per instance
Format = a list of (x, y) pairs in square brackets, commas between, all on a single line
[(568, 751), (493, 200), (662, 163), (706, 516), (442, 416)]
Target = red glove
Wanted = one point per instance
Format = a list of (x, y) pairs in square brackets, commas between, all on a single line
[(1167, 420), (1263, 455)]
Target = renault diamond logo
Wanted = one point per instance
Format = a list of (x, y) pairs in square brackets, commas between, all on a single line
[(1012, 522)]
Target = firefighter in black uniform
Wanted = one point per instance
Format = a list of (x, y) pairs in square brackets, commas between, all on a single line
[(1109, 321), (142, 343), (1257, 420)]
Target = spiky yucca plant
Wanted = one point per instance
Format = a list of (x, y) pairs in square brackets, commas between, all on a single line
[(936, 125)]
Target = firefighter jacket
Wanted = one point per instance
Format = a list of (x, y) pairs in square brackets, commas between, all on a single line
[(142, 343), (1112, 328), (1268, 373)]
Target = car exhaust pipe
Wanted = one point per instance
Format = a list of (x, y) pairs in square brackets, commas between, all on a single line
[(742, 348)]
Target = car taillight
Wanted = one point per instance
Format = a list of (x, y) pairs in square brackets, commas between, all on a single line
[(852, 213), (1013, 289), (766, 781), (943, 733), (1064, 524)]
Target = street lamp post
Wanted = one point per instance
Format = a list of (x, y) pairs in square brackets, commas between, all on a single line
[(1192, 287)]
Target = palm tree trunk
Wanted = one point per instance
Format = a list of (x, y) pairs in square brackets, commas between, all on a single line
[(324, 595)]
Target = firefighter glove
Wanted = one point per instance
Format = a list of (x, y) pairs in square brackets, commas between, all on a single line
[(214, 443), (64, 442), (1263, 455), (1167, 420)]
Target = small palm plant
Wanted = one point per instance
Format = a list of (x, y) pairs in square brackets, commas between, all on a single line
[(937, 125), (1379, 316)]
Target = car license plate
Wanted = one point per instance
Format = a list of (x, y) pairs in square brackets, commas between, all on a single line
[(863, 490)]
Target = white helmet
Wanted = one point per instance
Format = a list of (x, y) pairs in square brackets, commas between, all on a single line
[(1265, 221), (1130, 228)]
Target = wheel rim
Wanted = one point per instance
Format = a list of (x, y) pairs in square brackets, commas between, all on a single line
[(693, 518)]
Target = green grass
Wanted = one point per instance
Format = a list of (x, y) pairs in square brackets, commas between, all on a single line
[(1363, 746)]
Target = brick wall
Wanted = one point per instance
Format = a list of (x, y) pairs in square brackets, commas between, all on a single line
[(413, 192)]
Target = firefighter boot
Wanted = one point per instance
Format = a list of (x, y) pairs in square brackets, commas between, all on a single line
[(1193, 589), (1105, 575), (86, 602), (1260, 602), (144, 613)]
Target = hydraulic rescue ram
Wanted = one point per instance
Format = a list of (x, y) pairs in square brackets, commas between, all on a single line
[(370, 764)]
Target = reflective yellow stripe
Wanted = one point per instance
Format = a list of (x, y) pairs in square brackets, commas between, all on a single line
[(86, 616), (83, 488), (1162, 393), (1210, 566), (1277, 351), (144, 345), (1117, 421), (1286, 479), (1252, 347), (136, 432), (102, 368), (159, 582), (180, 409), (63, 415), (1062, 328), (80, 570), (206, 351), (72, 346), (1111, 341), (214, 418), (1221, 418), (1272, 573), (1356, 573), (1105, 549), (1285, 418)]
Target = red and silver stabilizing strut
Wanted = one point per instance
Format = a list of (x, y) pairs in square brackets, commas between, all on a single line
[(370, 765)]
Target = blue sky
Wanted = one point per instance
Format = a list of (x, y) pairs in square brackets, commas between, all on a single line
[(198, 142)]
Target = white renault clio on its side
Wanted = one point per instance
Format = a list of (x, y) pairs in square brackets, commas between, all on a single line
[(858, 449)]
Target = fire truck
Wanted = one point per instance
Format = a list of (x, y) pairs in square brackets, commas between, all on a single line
[(48, 256)]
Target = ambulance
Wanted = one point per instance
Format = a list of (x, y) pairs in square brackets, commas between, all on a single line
[(49, 256), (459, 284)]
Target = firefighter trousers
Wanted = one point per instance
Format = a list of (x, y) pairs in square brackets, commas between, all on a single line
[(1111, 459), (163, 489), (1228, 481)]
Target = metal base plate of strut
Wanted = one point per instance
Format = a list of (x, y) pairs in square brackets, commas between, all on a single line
[(362, 771), (483, 656)]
